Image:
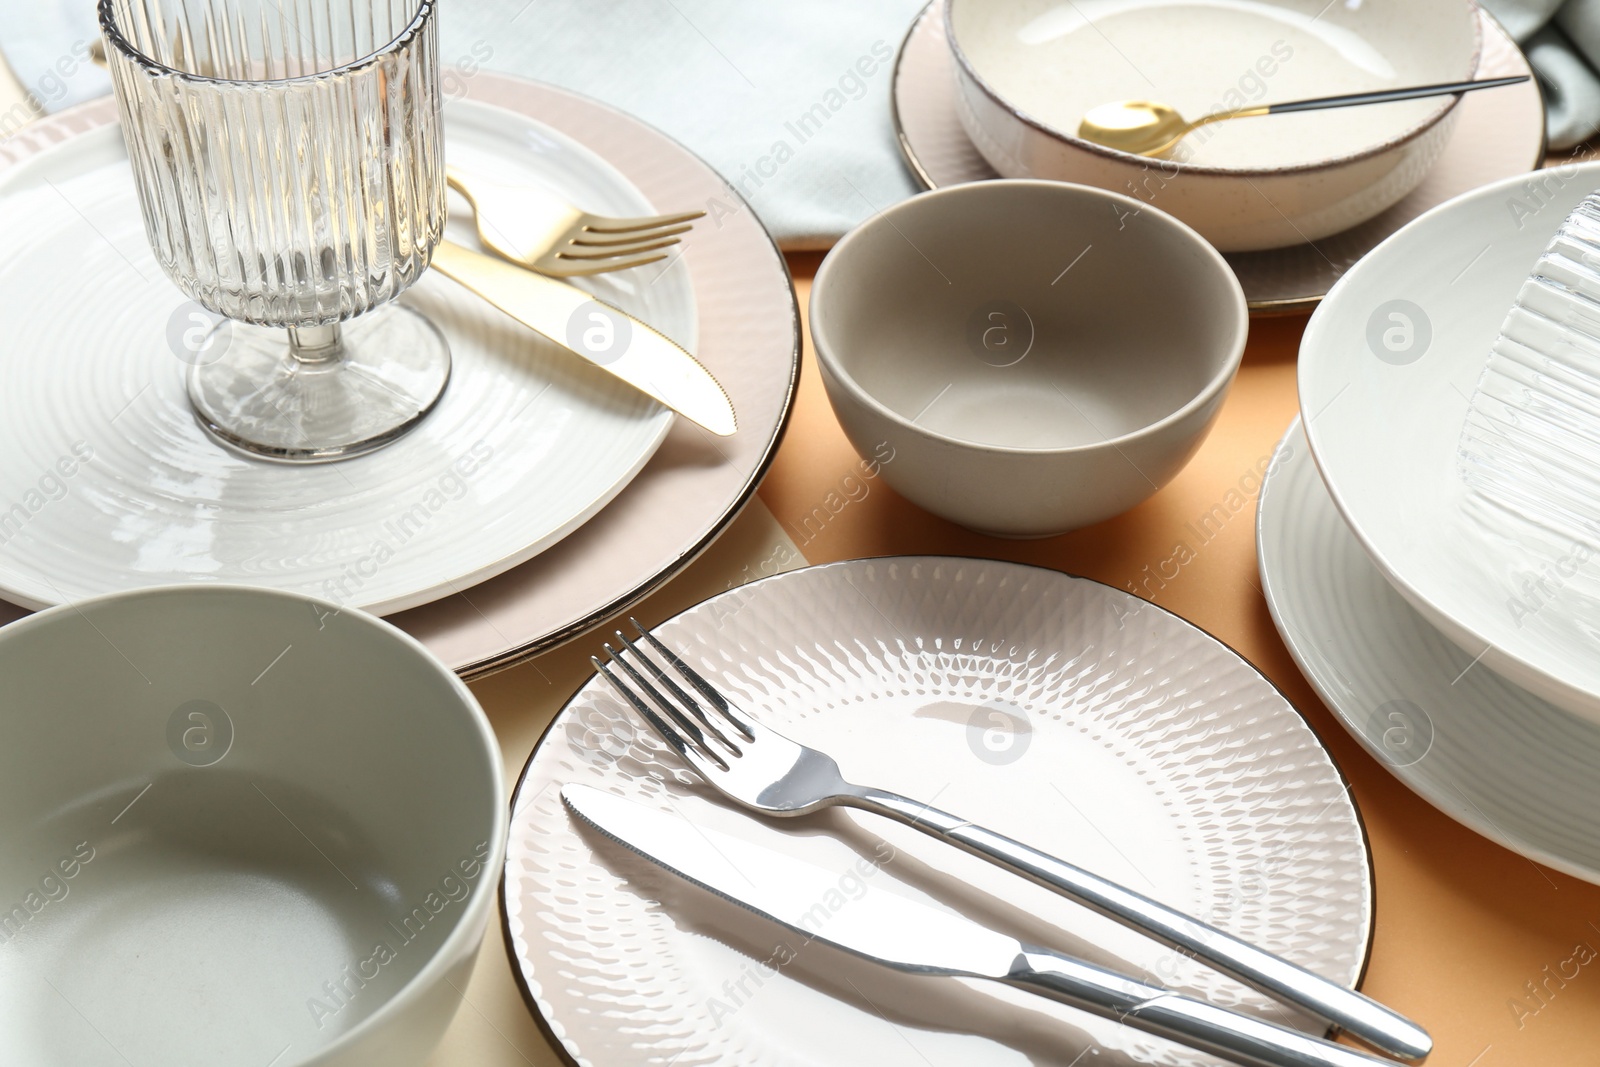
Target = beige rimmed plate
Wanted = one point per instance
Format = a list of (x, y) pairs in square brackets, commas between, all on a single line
[(1499, 133), (1056, 709), (694, 485)]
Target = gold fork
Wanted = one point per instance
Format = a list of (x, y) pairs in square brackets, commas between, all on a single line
[(542, 232)]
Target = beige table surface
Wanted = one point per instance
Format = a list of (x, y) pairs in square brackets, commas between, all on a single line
[(1466, 930)]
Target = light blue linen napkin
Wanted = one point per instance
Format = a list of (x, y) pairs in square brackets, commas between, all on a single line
[(1562, 40), (789, 101), (46, 43)]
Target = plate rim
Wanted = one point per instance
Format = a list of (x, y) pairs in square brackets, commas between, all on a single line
[(1259, 308), (514, 960), (523, 653)]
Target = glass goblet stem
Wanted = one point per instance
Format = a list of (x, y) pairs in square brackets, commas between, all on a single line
[(316, 344)]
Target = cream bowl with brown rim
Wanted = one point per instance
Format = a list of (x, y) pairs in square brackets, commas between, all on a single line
[(1027, 71), (1026, 357)]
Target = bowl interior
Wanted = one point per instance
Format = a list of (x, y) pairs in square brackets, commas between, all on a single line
[(1053, 60), (236, 823), (1029, 315)]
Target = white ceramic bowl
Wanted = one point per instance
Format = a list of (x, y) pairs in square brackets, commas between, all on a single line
[(238, 824), (1387, 367), (1026, 357), (1028, 70)]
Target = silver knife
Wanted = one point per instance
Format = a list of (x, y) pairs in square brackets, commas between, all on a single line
[(898, 932), (632, 350)]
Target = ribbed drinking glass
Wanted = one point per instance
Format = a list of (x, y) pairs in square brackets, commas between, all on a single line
[(289, 158)]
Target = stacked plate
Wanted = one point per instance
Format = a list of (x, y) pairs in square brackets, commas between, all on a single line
[(962, 114), (1459, 652), (555, 494)]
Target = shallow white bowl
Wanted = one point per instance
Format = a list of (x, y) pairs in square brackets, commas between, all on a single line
[(1028, 70), (1025, 358), (239, 825), (1493, 757), (1387, 366)]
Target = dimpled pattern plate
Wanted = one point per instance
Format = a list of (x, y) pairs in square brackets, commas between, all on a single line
[(1499, 132), (1056, 709), (526, 444), (1493, 757)]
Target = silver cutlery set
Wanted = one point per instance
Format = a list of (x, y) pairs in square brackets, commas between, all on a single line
[(766, 772)]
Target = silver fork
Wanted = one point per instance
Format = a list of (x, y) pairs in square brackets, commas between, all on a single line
[(761, 769)]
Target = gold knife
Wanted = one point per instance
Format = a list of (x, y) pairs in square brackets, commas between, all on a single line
[(606, 336)]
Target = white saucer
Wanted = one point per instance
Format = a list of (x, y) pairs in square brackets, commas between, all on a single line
[(108, 483), (1056, 709), (1514, 768), (1499, 133)]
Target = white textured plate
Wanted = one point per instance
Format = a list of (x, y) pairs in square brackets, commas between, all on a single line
[(108, 483), (1061, 711), (1387, 366), (748, 330), (1513, 767), (1498, 133)]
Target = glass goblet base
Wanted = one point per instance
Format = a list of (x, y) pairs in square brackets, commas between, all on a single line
[(322, 393)]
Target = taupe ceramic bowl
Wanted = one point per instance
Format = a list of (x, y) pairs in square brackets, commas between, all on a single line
[(239, 827), (1026, 357)]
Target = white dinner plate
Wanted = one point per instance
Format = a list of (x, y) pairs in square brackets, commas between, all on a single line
[(1063, 712), (1388, 365), (107, 482), (748, 329), (1499, 133), (1515, 768)]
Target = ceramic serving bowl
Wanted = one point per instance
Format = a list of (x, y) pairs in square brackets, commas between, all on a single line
[(1388, 368), (1028, 70), (1025, 357), (241, 826)]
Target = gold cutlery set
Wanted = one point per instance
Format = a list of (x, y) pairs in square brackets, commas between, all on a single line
[(538, 240)]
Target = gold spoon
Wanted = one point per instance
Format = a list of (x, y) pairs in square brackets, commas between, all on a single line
[(1146, 128)]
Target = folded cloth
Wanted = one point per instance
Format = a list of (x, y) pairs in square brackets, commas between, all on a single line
[(789, 102), (1562, 40), (47, 46)]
